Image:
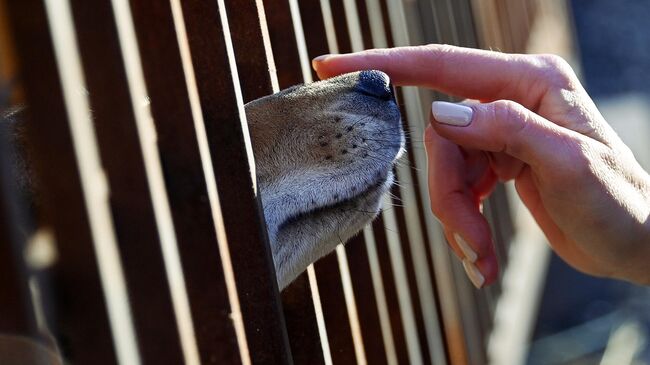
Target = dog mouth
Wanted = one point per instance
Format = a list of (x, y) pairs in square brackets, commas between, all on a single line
[(355, 203)]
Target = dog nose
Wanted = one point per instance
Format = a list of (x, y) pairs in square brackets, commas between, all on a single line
[(375, 83)]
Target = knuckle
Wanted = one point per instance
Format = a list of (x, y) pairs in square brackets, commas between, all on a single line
[(511, 120), (508, 114), (556, 70), (552, 61)]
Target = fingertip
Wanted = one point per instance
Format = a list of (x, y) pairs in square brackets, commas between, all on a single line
[(489, 268), (320, 58), (453, 245), (317, 65)]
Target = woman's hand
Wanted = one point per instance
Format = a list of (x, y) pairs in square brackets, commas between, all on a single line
[(535, 124)]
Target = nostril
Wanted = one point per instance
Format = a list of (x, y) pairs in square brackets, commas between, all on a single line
[(375, 83)]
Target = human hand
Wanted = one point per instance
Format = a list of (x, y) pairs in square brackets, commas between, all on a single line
[(535, 124)]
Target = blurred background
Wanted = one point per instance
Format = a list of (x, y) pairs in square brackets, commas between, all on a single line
[(581, 319)]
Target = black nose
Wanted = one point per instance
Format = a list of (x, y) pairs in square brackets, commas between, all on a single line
[(375, 83)]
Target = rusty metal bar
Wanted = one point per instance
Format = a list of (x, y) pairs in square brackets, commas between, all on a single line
[(188, 150), (314, 27), (76, 276), (335, 310), (304, 335), (130, 198), (359, 267), (392, 301), (301, 322), (369, 319)]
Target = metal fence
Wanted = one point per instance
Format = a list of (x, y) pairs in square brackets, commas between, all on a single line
[(151, 247)]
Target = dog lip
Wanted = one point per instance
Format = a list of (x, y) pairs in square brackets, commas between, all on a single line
[(333, 205)]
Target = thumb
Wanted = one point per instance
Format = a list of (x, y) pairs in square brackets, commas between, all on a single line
[(504, 126)]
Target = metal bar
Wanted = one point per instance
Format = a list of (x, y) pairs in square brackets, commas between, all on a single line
[(77, 277), (335, 310), (339, 308), (504, 26), (417, 343), (366, 299), (286, 39), (248, 30), (301, 319), (465, 23), (420, 323), (315, 31), (126, 169), (197, 110), (446, 290), (305, 318), (360, 274), (390, 291), (283, 40), (341, 26)]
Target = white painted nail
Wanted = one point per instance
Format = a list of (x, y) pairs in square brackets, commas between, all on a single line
[(473, 274), (451, 113), (466, 248)]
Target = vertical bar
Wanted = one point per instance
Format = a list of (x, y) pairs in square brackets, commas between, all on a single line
[(126, 168), (313, 24), (335, 333), (399, 348), (439, 254), (355, 250), (465, 22), (258, 77), (284, 43), (197, 107), (335, 310), (487, 24), (81, 299), (417, 258), (414, 274), (341, 26), (392, 300), (250, 38), (505, 26), (362, 283), (517, 16), (301, 319), (422, 281)]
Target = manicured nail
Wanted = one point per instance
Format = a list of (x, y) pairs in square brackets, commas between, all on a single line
[(466, 248), (451, 113), (473, 274)]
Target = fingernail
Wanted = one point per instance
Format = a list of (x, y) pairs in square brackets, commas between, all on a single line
[(469, 254), (451, 113), (320, 58), (473, 274)]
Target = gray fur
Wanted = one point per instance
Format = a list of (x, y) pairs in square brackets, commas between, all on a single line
[(324, 155)]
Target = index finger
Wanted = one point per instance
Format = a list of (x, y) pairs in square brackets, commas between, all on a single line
[(465, 72)]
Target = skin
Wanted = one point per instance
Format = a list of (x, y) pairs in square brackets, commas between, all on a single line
[(533, 123)]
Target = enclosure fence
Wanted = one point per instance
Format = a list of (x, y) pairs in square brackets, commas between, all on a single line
[(150, 244)]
